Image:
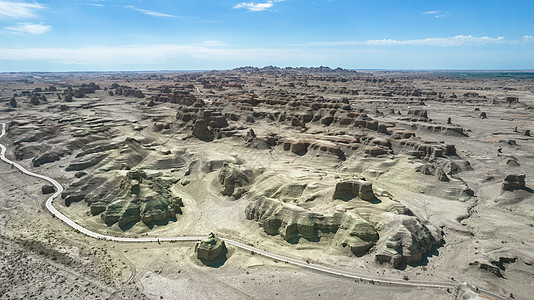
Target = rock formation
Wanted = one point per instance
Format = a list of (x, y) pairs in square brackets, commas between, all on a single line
[(290, 222), (514, 182), (404, 239), (347, 190), (35, 100), (202, 131), (48, 189), (234, 180), (210, 248), (78, 94)]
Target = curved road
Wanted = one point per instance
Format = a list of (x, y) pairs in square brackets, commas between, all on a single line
[(320, 268)]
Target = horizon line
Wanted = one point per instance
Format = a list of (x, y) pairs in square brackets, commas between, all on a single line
[(229, 69)]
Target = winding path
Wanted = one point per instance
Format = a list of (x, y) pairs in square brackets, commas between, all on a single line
[(316, 267)]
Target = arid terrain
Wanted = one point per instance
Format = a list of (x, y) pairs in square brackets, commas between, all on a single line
[(422, 177)]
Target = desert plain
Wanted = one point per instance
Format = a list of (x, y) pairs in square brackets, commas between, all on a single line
[(402, 177)]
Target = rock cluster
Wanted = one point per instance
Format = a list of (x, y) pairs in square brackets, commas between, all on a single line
[(206, 124), (400, 238), (88, 88), (132, 198), (126, 91), (178, 96)]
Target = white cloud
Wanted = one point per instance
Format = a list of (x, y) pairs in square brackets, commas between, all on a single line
[(29, 28), (151, 12), (213, 43), (253, 6), (459, 40), (436, 13), (19, 10)]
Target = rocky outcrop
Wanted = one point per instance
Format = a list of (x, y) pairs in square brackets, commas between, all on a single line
[(301, 147), (138, 94), (514, 182), (139, 198), (465, 291), (89, 88), (87, 163), (291, 222), (424, 150), (49, 157), (98, 208), (494, 262), (234, 180), (440, 174), (419, 113), (126, 199), (210, 248), (161, 209), (349, 189), (48, 189), (13, 102), (356, 234), (78, 94), (202, 131), (35, 100), (400, 238), (404, 239), (23, 151), (511, 100)]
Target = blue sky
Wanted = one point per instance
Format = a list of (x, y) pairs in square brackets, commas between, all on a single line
[(91, 35)]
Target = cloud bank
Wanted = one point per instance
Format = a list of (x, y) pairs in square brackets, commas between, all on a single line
[(454, 41)]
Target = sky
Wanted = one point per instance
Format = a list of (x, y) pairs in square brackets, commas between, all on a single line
[(137, 35)]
